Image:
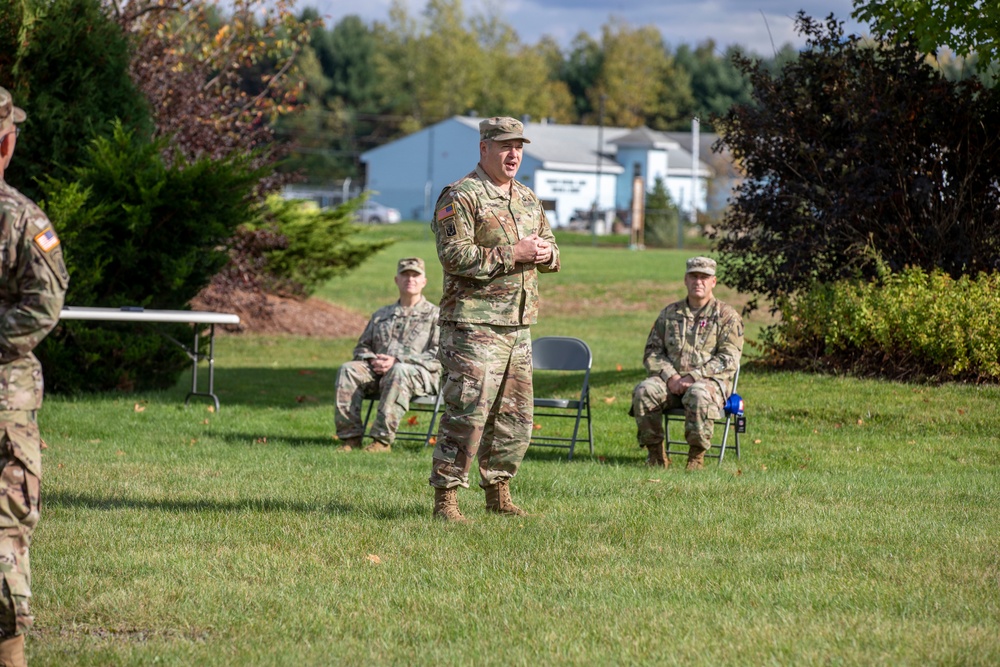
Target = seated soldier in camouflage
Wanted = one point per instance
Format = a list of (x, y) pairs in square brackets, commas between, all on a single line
[(692, 355), (395, 360)]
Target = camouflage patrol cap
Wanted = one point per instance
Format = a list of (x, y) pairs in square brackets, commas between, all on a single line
[(704, 265), (502, 128), (411, 264), (9, 114)]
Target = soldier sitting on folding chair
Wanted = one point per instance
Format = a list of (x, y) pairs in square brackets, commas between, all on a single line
[(692, 355), (395, 360)]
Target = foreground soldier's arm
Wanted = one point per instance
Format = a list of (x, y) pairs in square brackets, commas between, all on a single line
[(42, 286), (545, 232), (455, 228)]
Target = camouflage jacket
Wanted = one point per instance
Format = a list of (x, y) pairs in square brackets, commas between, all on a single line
[(33, 281), (703, 344), (411, 335), (476, 226)]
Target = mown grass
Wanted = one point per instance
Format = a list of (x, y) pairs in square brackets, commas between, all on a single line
[(859, 527)]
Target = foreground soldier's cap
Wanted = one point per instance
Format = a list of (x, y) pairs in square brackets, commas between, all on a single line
[(502, 128), (411, 264), (704, 265), (9, 114)]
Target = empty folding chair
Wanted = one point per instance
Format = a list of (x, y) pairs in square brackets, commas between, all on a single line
[(561, 353)]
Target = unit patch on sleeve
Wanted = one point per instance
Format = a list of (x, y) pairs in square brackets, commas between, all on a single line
[(446, 214), (47, 240)]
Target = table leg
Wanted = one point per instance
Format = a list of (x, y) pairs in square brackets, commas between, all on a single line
[(196, 356)]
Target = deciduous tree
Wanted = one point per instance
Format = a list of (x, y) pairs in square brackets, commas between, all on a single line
[(857, 157)]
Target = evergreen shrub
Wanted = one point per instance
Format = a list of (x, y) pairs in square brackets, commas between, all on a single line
[(913, 324), (137, 232)]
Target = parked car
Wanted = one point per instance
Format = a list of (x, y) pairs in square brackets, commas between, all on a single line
[(372, 211)]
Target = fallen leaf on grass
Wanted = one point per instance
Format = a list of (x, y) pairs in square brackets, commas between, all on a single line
[(372, 558), (739, 472), (204, 421), (306, 399), (59, 466), (93, 442), (138, 408), (763, 467), (861, 422), (601, 459), (211, 408), (193, 441), (838, 425), (815, 431), (610, 399), (261, 441), (537, 427), (412, 421), (654, 481), (911, 442), (961, 411), (618, 367), (307, 372), (44, 444), (120, 453), (432, 440), (757, 441)]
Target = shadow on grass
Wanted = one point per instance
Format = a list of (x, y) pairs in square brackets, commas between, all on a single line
[(266, 505), (268, 387), (88, 501)]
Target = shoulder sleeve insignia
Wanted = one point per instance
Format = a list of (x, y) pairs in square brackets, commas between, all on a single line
[(445, 212), (47, 240)]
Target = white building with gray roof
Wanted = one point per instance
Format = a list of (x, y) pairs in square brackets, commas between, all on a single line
[(562, 164)]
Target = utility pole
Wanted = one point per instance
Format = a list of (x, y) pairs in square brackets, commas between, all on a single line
[(695, 149), (600, 147)]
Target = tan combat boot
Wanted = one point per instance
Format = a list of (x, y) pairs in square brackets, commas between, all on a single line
[(657, 456), (349, 445), (498, 500), (696, 458), (12, 652), (376, 447), (446, 506)]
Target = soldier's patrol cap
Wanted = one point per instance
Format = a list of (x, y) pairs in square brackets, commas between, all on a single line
[(704, 265), (411, 264), (502, 128), (9, 114)]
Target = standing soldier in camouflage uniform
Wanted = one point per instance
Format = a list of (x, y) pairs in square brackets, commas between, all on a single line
[(692, 355), (492, 240), (33, 282), (396, 358)]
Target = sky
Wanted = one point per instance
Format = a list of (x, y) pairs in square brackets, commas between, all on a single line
[(753, 24)]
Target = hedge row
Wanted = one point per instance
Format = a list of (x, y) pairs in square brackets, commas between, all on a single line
[(912, 324)]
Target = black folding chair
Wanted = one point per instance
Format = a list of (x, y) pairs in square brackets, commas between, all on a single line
[(428, 404), (561, 353), (732, 415)]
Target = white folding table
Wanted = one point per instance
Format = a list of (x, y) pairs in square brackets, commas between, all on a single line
[(195, 317)]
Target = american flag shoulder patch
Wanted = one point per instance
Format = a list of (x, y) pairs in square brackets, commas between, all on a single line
[(445, 212), (47, 240)]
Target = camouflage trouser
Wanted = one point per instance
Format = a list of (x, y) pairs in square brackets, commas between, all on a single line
[(20, 496), (356, 381), (702, 403), (488, 403)]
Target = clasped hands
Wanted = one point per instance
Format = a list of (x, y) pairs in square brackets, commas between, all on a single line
[(381, 363), (533, 250), (678, 385)]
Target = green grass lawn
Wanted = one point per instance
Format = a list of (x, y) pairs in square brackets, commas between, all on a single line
[(860, 526)]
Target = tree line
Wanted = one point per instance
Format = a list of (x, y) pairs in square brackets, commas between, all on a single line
[(367, 84)]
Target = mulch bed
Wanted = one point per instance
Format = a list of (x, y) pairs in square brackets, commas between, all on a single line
[(280, 315)]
